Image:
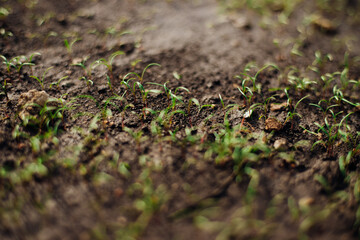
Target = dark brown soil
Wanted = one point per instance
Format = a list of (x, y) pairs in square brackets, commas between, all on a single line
[(99, 182)]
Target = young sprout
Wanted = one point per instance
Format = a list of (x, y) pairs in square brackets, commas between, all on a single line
[(247, 95), (108, 62), (256, 87), (177, 76), (109, 83), (327, 79), (131, 89), (338, 96), (166, 89), (344, 79), (138, 137), (88, 82), (325, 109), (321, 60), (292, 110), (57, 83), (134, 63), (69, 46), (299, 82), (8, 63), (4, 88), (265, 105), (141, 77), (144, 93), (87, 70), (175, 98), (30, 59), (19, 62), (41, 80), (332, 132)]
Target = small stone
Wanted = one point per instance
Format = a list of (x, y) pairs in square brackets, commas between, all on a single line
[(239, 21), (278, 106), (280, 144), (118, 192), (272, 124), (324, 24), (306, 201), (77, 60)]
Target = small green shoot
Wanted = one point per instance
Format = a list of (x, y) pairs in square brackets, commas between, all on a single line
[(69, 46), (57, 83), (141, 77), (108, 63), (42, 78), (292, 110)]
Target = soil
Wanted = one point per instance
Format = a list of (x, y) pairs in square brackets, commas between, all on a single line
[(94, 176)]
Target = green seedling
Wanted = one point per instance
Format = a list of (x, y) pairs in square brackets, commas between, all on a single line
[(338, 96), (8, 63), (144, 93), (320, 60), (327, 79), (69, 46), (292, 110), (140, 77), (132, 89), (109, 83), (265, 105), (165, 117), (122, 108), (134, 63), (247, 95), (171, 97), (177, 76), (108, 62), (4, 12), (48, 117), (245, 76), (57, 83), (41, 80), (4, 88), (30, 61), (344, 78), (356, 84), (175, 99), (325, 109), (87, 70), (332, 132), (323, 182), (344, 163), (138, 137), (87, 81), (299, 82), (19, 62)]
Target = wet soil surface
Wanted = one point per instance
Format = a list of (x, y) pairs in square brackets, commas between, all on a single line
[(100, 162)]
